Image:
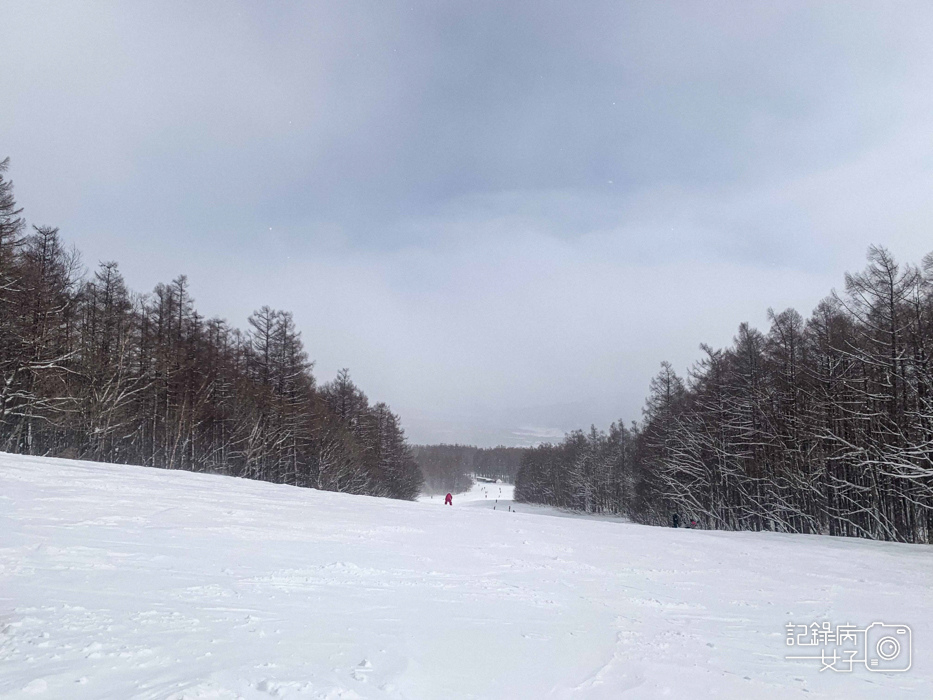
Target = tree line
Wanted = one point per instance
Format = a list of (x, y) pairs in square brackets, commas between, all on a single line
[(819, 425), (91, 370), (450, 468)]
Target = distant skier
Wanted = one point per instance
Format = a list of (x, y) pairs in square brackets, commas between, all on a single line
[(675, 520), (448, 500)]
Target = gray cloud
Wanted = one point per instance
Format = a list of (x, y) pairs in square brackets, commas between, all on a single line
[(500, 218)]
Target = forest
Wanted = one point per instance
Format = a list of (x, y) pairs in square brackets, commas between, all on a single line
[(91, 370), (820, 425), (452, 467)]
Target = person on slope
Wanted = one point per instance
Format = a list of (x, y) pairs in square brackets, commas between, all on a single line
[(448, 500), (676, 520)]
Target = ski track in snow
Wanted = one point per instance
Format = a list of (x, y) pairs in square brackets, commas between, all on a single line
[(126, 582)]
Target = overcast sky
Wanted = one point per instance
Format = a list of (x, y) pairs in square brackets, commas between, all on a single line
[(500, 216)]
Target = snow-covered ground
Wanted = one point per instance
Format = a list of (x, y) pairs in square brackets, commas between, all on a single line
[(482, 495), (500, 497), (124, 582)]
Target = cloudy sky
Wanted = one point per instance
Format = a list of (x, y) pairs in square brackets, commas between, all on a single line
[(500, 216)]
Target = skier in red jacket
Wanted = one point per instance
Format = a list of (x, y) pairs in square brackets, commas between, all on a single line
[(448, 500)]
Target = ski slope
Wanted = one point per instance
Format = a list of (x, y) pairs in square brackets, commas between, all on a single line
[(124, 582), (499, 497)]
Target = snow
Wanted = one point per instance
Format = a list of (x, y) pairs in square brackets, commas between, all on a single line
[(500, 497), (482, 495), (125, 582)]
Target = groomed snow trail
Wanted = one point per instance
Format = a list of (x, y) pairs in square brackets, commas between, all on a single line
[(124, 582)]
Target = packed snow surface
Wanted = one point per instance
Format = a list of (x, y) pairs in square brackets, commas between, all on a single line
[(125, 582)]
